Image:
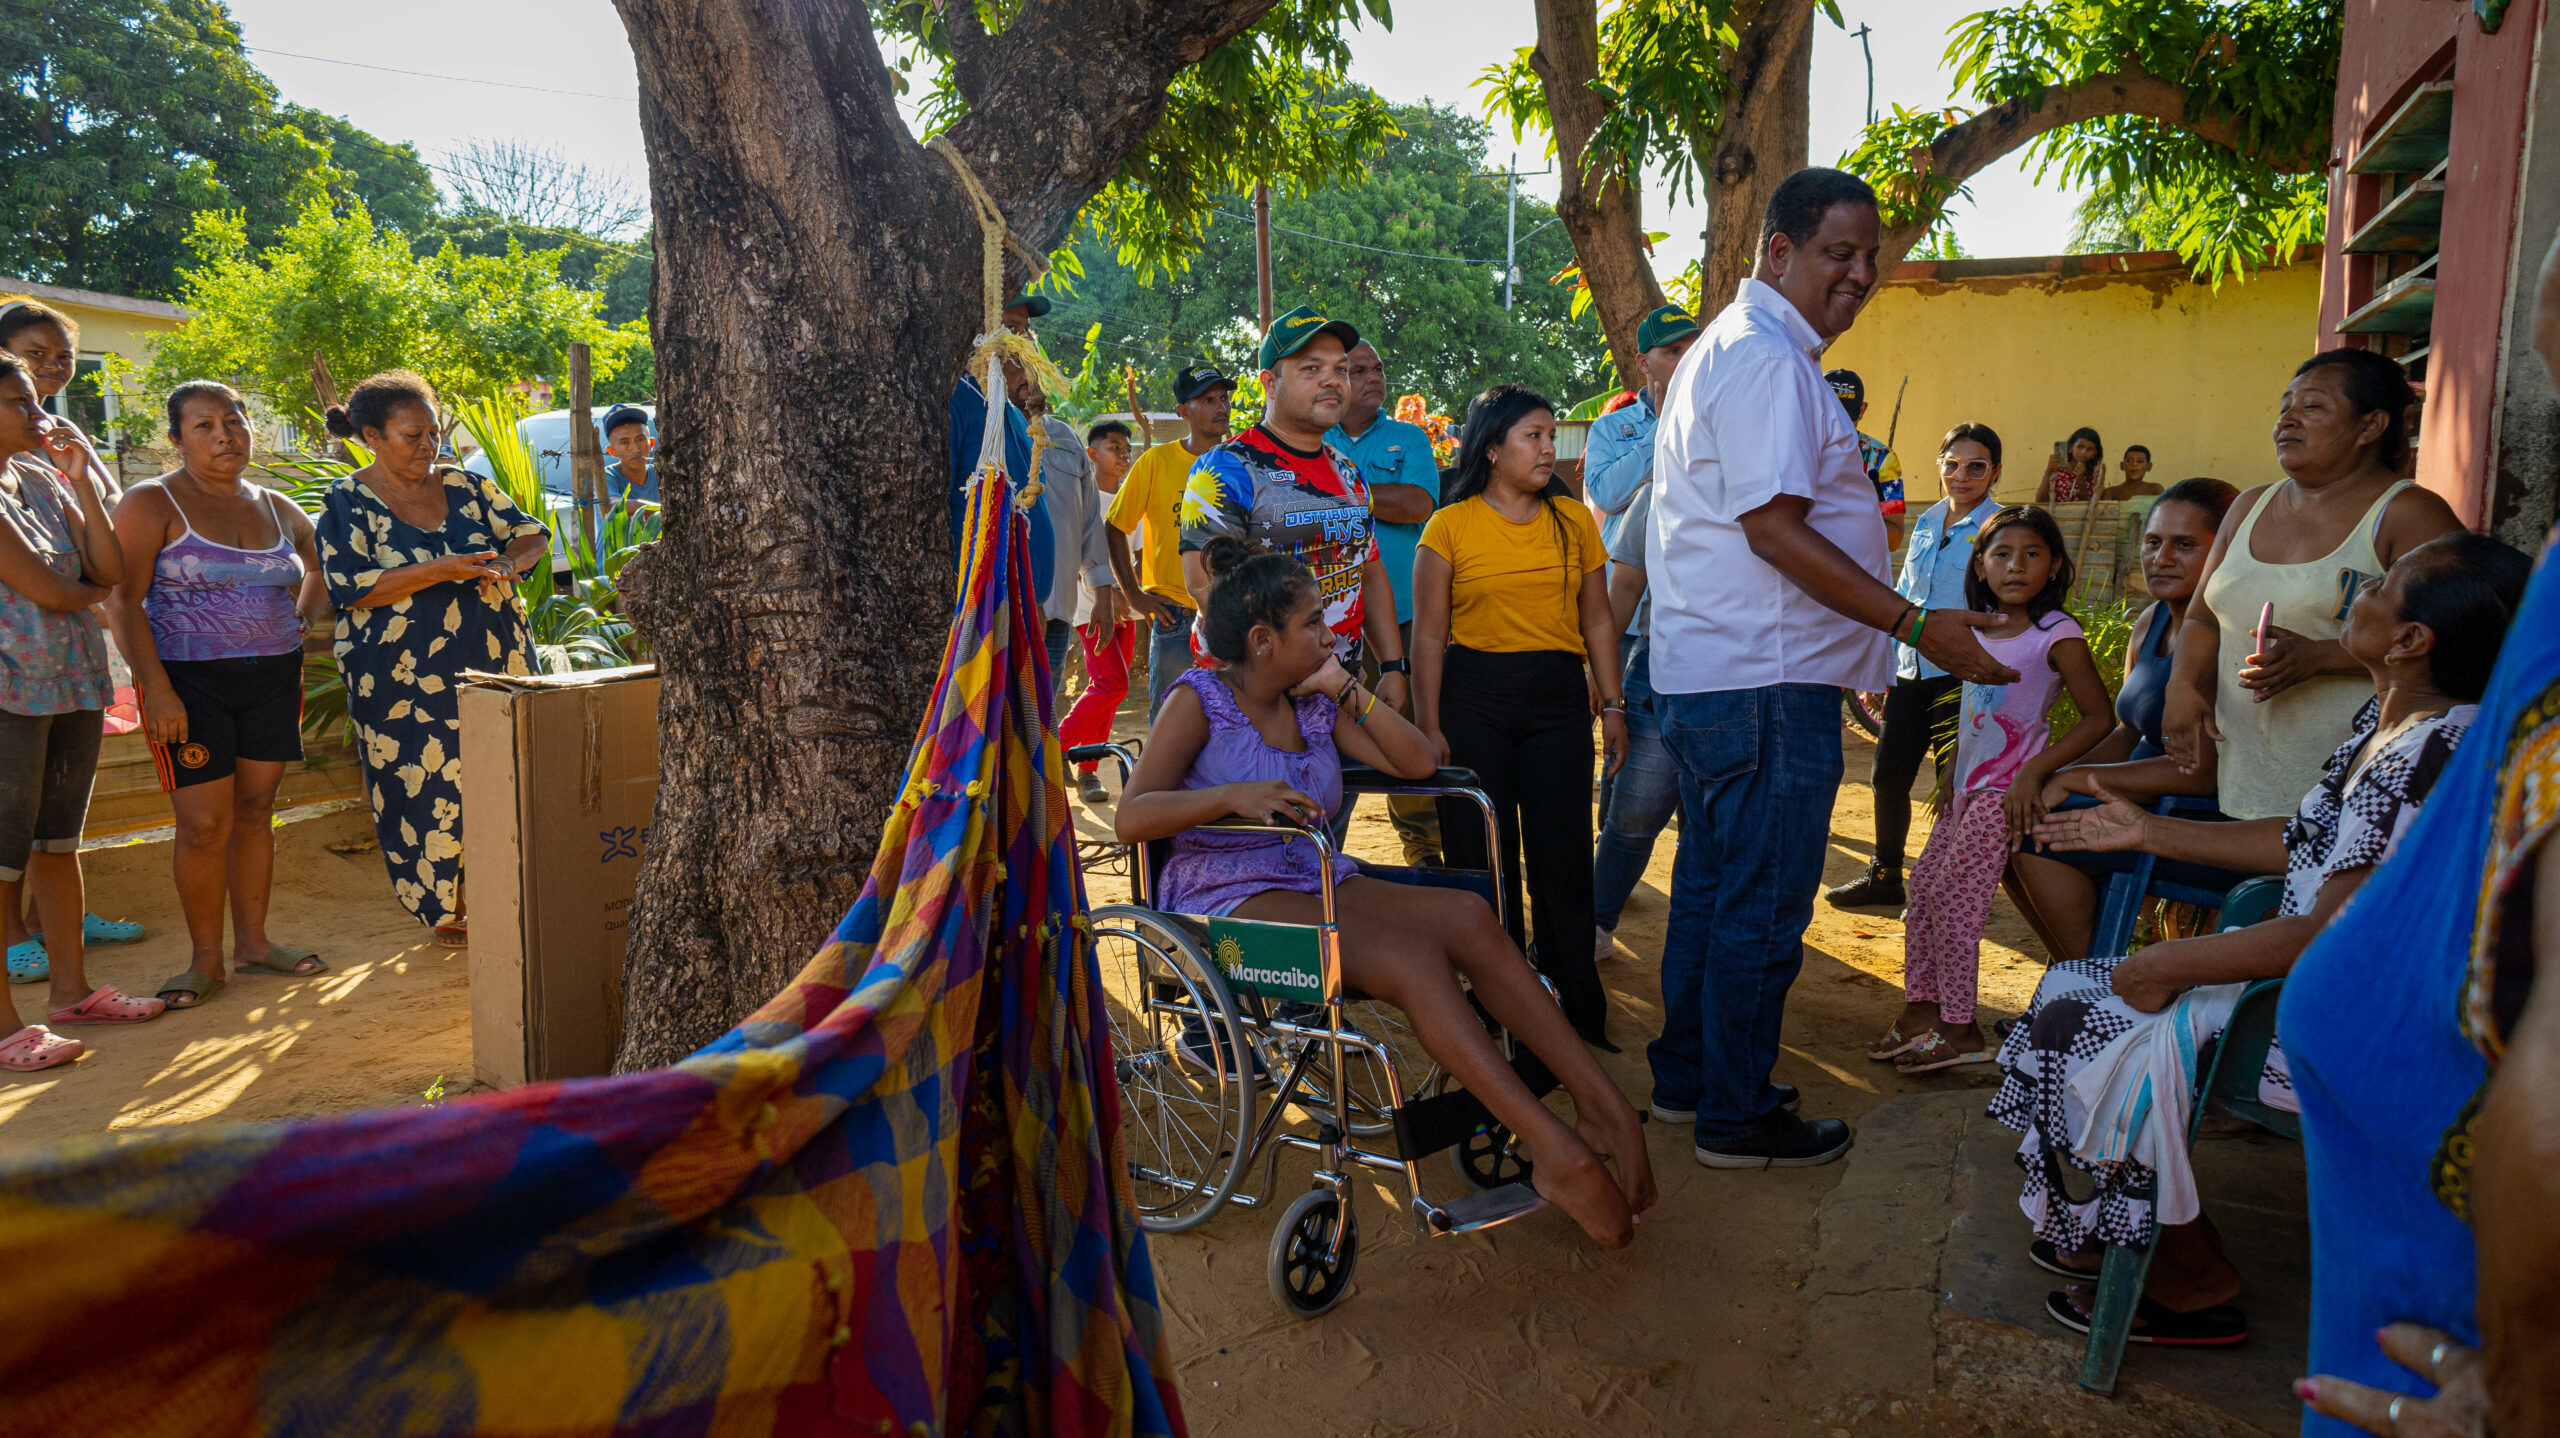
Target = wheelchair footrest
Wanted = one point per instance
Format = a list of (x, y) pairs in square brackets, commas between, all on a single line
[(1485, 1209), (1424, 1126)]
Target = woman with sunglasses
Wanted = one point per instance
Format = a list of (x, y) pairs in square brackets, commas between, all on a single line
[(1933, 570)]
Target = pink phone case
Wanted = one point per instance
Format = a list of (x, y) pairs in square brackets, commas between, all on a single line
[(2266, 621)]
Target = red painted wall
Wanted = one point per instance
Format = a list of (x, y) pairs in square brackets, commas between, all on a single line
[(2391, 46)]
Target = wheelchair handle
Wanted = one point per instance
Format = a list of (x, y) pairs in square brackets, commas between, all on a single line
[(1123, 752), (1361, 778)]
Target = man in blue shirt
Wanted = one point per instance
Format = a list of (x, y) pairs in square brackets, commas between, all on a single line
[(968, 431), (632, 479), (1617, 458), (1404, 487)]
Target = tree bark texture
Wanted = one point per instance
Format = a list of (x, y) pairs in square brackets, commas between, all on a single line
[(817, 286), (1766, 134), (1601, 211), (1967, 149)]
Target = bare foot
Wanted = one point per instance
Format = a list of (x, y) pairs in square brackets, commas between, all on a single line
[(1574, 1180), (1618, 1141)]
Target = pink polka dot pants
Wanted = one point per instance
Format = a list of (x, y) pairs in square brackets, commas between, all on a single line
[(1951, 892)]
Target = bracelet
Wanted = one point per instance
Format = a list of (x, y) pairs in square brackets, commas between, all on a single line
[(1916, 626), (1619, 705), (1343, 699), (1366, 710), (1907, 611)]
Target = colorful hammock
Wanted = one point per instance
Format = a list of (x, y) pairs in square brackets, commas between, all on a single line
[(892, 1201)]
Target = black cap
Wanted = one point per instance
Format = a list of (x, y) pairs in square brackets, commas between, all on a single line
[(1847, 386), (1033, 305), (620, 415), (1197, 380)]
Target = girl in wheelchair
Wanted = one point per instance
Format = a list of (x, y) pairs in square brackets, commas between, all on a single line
[(1262, 739)]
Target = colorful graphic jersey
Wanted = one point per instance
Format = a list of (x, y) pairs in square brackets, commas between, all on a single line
[(1312, 507), (1883, 470)]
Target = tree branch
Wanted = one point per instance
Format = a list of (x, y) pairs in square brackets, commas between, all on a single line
[(1602, 212), (1962, 151)]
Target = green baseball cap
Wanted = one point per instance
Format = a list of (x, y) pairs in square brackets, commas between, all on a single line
[(1667, 325), (1290, 333)]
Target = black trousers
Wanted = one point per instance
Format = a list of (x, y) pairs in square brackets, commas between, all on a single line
[(1522, 722), (1909, 707)]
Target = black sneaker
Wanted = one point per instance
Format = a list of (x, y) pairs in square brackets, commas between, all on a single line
[(1788, 1098), (1205, 1053), (1781, 1140), (1877, 888)]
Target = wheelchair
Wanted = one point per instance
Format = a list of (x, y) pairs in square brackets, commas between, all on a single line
[(1205, 1012)]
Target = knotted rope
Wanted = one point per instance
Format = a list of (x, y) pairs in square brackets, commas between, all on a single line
[(995, 343)]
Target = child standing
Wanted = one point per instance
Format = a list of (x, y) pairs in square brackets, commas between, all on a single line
[(2020, 569)]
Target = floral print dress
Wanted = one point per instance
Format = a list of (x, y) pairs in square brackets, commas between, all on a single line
[(403, 665)]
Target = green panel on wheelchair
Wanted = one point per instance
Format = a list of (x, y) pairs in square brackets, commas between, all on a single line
[(1280, 961)]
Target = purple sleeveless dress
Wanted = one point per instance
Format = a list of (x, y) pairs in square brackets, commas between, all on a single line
[(1211, 873)]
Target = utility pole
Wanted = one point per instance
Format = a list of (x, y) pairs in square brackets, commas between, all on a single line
[(1262, 249), (1511, 179), (1862, 32)]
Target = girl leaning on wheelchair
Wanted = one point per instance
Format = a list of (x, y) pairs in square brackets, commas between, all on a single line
[(1263, 739)]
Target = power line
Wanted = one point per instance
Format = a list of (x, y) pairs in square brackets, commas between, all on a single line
[(427, 75)]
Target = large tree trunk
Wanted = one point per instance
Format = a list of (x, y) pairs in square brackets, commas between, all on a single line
[(1600, 210), (1767, 128), (817, 285)]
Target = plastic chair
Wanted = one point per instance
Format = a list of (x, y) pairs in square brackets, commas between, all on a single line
[(2229, 1086)]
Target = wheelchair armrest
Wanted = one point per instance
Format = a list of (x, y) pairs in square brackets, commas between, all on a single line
[(1091, 753), (1360, 778)]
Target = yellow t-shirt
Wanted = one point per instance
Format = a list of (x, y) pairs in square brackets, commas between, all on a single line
[(1516, 587), (1149, 497)]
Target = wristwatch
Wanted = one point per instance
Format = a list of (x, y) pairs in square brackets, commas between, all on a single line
[(1395, 666)]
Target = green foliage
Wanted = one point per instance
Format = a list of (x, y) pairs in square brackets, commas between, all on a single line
[(1268, 106), (2108, 623), (121, 119), (333, 284), (2267, 68), (580, 627), (1433, 306), (390, 181)]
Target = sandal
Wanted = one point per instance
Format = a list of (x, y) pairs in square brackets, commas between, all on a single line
[(1893, 1044), (2220, 1326), (454, 934), (105, 1006), (1932, 1051), (27, 962), (197, 988), (280, 959), (95, 930), (2044, 1255), (37, 1047)]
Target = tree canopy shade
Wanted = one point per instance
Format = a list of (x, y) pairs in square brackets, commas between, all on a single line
[(335, 285), (1410, 253), (121, 119), (2206, 121)]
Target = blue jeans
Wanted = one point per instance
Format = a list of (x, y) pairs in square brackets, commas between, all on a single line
[(1636, 803), (1168, 654), (1759, 769), (1061, 636)]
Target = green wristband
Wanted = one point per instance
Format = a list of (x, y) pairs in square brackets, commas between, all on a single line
[(1916, 626)]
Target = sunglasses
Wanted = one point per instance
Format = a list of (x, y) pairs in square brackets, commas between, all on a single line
[(1967, 468)]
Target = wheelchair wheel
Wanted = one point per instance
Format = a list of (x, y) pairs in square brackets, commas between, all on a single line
[(1371, 1109), (1489, 1158), (1304, 1283), (1179, 1050), (1866, 711)]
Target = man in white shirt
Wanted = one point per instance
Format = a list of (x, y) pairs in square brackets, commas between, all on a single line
[(1767, 567)]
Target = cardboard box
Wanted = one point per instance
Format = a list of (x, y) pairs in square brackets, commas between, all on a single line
[(559, 780)]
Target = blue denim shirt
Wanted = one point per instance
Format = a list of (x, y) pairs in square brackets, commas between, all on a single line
[(1390, 451), (968, 432), (1933, 567), (1617, 461)]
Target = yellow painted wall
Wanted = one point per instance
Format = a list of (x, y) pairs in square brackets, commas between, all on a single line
[(109, 331), (2150, 358)]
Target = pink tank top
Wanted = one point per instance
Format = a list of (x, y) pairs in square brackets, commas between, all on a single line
[(211, 601), (2005, 725)]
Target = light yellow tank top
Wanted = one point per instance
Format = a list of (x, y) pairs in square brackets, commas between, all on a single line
[(2272, 753)]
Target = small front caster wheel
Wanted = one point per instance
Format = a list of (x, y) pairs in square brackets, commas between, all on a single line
[(1301, 1278), (1489, 1158)]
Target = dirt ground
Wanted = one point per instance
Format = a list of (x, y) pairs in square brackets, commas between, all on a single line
[(1527, 1329)]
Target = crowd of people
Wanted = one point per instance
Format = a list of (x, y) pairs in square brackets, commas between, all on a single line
[(2293, 696)]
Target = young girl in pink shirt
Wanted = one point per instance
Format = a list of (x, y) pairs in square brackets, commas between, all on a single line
[(2022, 570)]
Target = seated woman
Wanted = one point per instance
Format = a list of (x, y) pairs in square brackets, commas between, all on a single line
[(2428, 632), (2058, 892), (1258, 741)]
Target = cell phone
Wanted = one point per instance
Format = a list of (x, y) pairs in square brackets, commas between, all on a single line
[(2266, 622)]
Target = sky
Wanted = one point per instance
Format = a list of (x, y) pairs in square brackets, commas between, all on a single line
[(319, 51)]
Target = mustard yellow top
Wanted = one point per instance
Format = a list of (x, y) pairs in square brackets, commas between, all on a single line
[(1516, 587), (1149, 495)]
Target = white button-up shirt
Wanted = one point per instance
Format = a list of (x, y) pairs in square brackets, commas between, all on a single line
[(1746, 418)]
